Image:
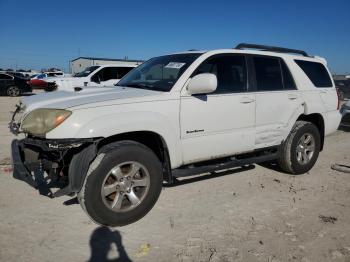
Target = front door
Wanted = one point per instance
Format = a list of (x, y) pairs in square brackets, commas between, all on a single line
[(221, 123)]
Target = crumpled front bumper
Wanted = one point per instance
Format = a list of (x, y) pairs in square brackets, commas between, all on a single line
[(20, 171), (35, 161)]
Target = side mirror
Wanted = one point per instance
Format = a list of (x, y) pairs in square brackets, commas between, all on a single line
[(202, 84)]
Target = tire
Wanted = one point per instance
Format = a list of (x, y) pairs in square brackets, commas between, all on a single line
[(50, 87), (118, 161), (13, 91), (295, 155)]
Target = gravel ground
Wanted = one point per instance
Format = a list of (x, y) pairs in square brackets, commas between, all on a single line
[(257, 214)]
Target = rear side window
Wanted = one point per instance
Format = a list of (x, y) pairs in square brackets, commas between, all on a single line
[(288, 81), (268, 74), (316, 72)]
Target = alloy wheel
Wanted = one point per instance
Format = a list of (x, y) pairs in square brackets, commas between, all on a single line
[(13, 91), (305, 149), (125, 186)]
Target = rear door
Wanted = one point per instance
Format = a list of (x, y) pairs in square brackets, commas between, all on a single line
[(277, 99)]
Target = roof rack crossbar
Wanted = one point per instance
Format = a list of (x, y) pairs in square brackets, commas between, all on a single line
[(271, 48)]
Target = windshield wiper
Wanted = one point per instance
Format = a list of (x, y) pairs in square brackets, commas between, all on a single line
[(143, 86)]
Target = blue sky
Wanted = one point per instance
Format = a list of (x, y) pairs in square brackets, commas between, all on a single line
[(40, 34)]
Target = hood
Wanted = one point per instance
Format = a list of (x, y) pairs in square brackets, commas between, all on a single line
[(67, 99)]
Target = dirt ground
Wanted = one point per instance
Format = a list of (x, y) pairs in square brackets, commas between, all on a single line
[(257, 214)]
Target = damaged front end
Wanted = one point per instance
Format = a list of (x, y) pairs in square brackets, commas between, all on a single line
[(48, 163)]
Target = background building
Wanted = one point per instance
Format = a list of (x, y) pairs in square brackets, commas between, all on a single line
[(79, 64)]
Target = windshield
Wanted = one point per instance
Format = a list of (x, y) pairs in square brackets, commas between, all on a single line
[(87, 71), (41, 76), (159, 73)]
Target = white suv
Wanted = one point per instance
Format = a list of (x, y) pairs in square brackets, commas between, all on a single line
[(176, 115)]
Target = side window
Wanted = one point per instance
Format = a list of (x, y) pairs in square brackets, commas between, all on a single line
[(111, 73), (268, 73), (316, 72), (105, 74), (5, 77), (288, 81), (122, 71), (98, 76), (230, 71)]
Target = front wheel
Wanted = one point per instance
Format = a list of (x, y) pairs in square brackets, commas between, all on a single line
[(299, 152), (124, 186)]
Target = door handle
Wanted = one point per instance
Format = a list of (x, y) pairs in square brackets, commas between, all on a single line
[(247, 100), (292, 96), (323, 91)]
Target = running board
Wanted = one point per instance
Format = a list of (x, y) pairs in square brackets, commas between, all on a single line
[(232, 162)]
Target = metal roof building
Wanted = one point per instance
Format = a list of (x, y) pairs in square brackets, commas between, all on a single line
[(79, 64)]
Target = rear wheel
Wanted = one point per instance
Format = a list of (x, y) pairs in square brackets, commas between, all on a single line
[(124, 186), (13, 91), (299, 152)]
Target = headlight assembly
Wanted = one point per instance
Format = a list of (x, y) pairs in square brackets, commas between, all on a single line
[(40, 121)]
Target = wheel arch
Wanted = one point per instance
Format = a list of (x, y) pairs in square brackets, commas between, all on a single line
[(152, 140), (318, 121)]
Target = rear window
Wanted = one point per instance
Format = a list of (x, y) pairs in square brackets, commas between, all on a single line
[(316, 72)]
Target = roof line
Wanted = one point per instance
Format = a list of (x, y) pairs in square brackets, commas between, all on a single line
[(106, 59)]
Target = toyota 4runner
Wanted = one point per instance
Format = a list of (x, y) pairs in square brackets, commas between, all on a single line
[(174, 116)]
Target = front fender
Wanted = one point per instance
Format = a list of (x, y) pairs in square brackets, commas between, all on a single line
[(118, 123)]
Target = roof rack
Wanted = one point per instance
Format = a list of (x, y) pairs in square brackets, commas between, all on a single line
[(271, 49)]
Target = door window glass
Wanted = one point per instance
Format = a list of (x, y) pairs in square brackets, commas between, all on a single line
[(230, 71), (268, 73)]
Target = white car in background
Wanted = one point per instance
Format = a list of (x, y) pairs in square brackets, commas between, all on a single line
[(97, 76)]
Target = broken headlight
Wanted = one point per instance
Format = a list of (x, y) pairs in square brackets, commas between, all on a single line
[(40, 121)]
